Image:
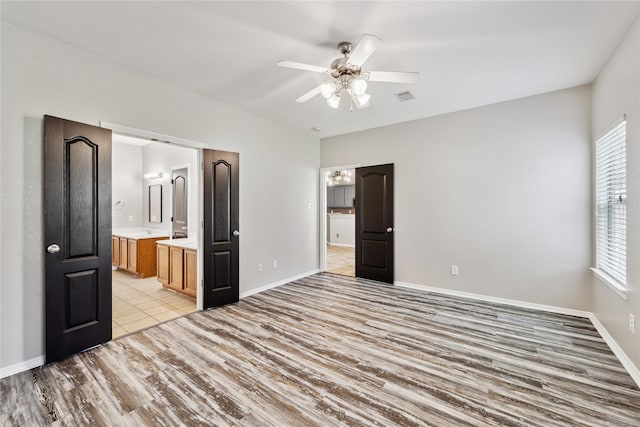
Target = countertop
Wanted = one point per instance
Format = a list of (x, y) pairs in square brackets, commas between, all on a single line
[(180, 243), (139, 233)]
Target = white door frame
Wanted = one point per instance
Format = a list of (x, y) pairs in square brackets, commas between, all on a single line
[(323, 209), (180, 142)]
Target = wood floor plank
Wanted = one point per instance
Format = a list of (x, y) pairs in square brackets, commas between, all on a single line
[(335, 350)]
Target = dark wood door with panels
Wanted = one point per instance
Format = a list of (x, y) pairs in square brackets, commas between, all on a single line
[(221, 228), (374, 223), (77, 210)]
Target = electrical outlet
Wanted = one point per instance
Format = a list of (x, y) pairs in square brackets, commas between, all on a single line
[(130, 218), (275, 263), (259, 267), (632, 323), (309, 205), (337, 235), (454, 270)]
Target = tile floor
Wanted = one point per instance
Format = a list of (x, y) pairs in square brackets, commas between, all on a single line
[(341, 260), (141, 303)]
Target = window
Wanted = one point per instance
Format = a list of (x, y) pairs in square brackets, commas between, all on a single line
[(611, 204)]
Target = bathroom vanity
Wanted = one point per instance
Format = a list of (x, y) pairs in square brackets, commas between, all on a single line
[(177, 262), (134, 250)]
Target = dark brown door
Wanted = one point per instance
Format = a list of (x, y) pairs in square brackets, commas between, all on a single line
[(77, 236), (180, 193), (221, 231), (374, 223)]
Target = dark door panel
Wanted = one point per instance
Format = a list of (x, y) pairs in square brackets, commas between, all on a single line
[(77, 236), (374, 223), (221, 228), (180, 197)]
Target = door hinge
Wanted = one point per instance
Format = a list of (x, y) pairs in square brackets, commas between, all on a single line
[(172, 181), (171, 219), (202, 166)]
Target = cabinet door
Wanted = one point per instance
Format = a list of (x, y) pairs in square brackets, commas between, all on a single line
[(349, 195), (339, 195), (115, 251), (175, 268), (132, 255), (190, 272), (162, 261), (331, 200), (123, 253)]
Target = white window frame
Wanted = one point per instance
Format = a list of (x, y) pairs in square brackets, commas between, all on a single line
[(610, 208)]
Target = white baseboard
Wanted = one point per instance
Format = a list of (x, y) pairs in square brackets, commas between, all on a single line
[(613, 345), (342, 244), (276, 284), (16, 368), (517, 303)]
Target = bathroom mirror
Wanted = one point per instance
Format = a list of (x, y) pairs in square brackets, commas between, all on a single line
[(155, 203)]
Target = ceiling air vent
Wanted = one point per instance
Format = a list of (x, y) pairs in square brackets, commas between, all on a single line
[(405, 96)]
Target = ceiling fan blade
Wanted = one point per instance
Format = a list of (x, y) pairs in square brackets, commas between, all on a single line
[(393, 76), (307, 96), (305, 67), (364, 49)]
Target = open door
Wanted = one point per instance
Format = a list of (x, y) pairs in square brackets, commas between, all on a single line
[(221, 232), (374, 223), (77, 236), (180, 197)]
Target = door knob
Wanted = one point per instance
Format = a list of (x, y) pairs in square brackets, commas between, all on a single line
[(53, 248), (389, 229), (236, 233)]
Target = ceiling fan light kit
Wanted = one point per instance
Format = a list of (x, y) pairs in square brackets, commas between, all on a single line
[(348, 76)]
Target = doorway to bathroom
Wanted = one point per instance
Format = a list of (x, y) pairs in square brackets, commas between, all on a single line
[(154, 253)]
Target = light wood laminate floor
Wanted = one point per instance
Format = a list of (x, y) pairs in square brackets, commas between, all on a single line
[(341, 260), (329, 350), (141, 303)]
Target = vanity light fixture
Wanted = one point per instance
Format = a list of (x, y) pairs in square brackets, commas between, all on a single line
[(153, 175)]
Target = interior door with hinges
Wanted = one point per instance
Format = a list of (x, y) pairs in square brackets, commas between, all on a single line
[(77, 223), (374, 223), (180, 198), (221, 228)]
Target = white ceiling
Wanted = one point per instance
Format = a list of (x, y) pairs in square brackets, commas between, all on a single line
[(468, 53)]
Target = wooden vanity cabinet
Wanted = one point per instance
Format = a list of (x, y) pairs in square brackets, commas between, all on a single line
[(163, 263), (178, 268), (137, 256), (124, 251), (115, 251), (132, 255), (190, 272)]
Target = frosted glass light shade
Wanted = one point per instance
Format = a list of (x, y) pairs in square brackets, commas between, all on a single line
[(361, 101), (358, 86), (327, 89), (333, 101)]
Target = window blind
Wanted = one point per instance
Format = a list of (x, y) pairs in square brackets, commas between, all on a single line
[(611, 203)]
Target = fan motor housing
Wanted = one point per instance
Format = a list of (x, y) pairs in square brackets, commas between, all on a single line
[(344, 48)]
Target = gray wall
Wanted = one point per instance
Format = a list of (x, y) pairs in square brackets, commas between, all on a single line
[(502, 191), (42, 76), (126, 185), (616, 91)]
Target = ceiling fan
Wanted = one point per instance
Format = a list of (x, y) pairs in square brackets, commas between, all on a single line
[(348, 75)]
